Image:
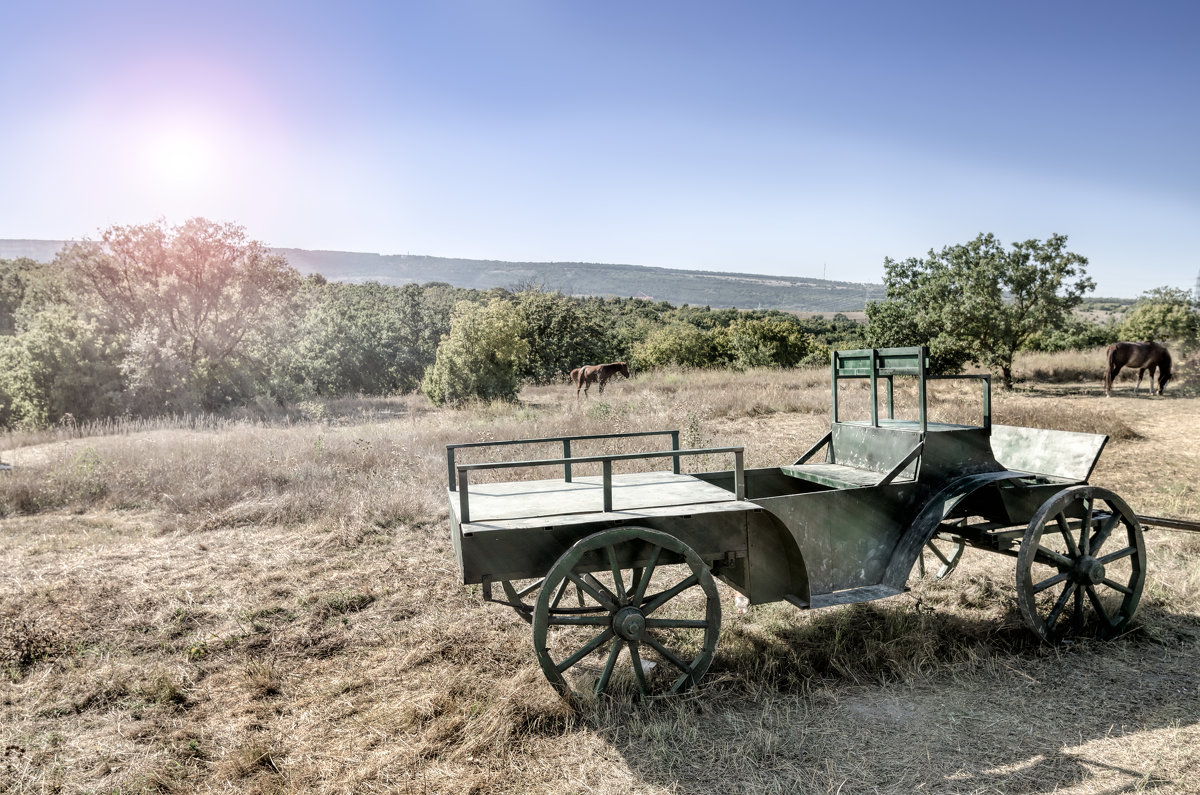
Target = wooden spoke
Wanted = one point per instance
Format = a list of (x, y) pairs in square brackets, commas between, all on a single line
[(1124, 553), (558, 595), (639, 670), (1056, 611), (1094, 598), (676, 623), (639, 593), (585, 650), (668, 656), (941, 555), (615, 568), (613, 653), (1116, 586), (1107, 524), (1064, 527), (574, 620), (591, 586), (1061, 561), (1055, 580), (661, 599)]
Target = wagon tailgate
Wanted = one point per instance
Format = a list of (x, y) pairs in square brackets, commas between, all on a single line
[(1062, 454)]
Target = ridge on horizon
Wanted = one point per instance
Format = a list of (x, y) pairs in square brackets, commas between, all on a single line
[(674, 285)]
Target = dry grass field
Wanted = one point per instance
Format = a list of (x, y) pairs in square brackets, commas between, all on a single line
[(273, 606)]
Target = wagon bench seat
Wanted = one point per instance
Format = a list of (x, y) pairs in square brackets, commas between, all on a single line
[(839, 476)]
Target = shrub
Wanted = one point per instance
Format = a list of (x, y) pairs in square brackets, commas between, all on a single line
[(481, 357)]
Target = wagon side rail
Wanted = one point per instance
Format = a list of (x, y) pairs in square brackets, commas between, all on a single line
[(606, 464), (567, 458)]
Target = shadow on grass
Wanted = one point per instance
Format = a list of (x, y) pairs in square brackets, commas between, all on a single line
[(896, 698)]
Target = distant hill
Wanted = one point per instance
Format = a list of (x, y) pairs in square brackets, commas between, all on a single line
[(712, 288)]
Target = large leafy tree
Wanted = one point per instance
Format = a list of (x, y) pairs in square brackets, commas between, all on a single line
[(187, 303), (978, 302)]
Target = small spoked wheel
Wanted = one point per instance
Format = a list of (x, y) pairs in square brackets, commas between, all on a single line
[(939, 557), (628, 608), (1081, 566)]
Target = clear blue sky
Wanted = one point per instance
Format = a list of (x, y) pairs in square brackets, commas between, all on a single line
[(797, 138)]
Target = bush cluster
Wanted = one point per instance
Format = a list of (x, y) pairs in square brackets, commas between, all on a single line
[(159, 319)]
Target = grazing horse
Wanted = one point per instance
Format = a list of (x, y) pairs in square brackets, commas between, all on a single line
[(1143, 356), (584, 377)]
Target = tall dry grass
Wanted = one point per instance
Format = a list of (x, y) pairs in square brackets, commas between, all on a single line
[(273, 606)]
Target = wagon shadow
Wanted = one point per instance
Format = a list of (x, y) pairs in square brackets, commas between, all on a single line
[(900, 699)]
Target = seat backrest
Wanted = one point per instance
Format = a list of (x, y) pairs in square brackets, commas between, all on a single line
[(1064, 454), (870, 447)]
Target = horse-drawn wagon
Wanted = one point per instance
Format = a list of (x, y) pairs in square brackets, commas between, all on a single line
[(616, 572)]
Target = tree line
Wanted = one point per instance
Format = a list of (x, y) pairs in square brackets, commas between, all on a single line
[(156, 319)]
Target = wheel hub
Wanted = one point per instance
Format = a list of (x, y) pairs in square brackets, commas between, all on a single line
[(1090, 570), (629, 623)]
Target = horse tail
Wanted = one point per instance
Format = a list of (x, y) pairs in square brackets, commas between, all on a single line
[(575, 375), (1108, 367)]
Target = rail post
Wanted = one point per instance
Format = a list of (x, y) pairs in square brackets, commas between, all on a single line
[(450, 465), (465, 515), (567, 464), (739, 476), (675, 446), (606, 481)]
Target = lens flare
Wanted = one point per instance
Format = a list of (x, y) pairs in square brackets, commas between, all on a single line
[(180, 159)]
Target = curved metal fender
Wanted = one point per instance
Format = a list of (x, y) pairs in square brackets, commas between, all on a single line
[(904, 557)]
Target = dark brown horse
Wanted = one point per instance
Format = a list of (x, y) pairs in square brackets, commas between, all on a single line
[(1142, 356), (584, 377)]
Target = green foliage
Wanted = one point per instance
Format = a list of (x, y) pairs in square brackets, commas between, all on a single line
[(59, 365), (678, 343), (1076, 335), (765, 342), (364, 338), (1164, 313), (562, 333), (978, 302), (14, 279), (187, 304), (482, 355), (170, 319), (26, 288)]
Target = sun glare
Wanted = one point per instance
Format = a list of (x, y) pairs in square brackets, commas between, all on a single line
[(180, 159)]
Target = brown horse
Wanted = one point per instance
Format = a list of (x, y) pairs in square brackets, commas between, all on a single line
[(1143, 356), (584, 377)]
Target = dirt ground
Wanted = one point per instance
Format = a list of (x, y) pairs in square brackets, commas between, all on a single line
[(150, 654)]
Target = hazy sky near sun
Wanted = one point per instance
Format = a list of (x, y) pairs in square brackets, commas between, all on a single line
[(800, 138)]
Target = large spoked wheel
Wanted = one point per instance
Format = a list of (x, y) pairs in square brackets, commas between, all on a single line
[(1081, 566), (628, 594)]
